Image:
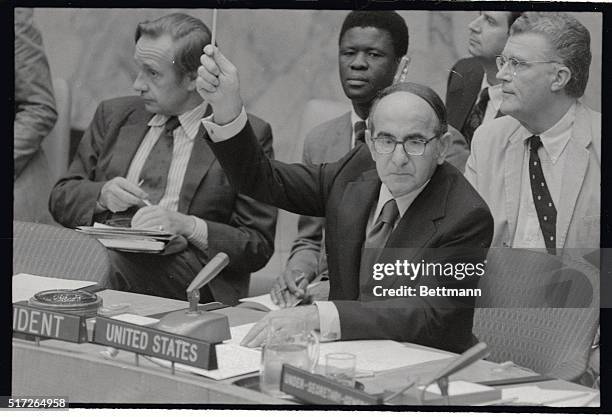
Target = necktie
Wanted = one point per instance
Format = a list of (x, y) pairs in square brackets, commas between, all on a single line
[(154, 174), (377, 238), (476, 116), (359, 129), (545, 208)]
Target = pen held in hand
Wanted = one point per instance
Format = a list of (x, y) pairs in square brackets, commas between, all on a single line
[(214, 28)]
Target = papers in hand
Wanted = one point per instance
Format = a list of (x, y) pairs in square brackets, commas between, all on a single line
[(128, 239)]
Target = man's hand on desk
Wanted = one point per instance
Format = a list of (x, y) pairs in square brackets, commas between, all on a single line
[(219, 85), (159, 218), (258, 334), (119, 194), (290, 289)]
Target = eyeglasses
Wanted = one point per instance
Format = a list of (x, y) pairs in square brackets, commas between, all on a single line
[(514, 65), (385, 145)]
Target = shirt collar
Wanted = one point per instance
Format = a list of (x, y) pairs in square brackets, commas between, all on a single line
[(495, 93), (403, 202), (355, 118), (556, 138), (190, 120)]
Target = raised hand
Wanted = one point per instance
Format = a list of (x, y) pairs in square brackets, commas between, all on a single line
[(219, 85)]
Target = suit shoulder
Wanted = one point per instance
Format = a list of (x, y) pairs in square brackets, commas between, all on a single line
[(465, 65), (260, 126), (462, 194), (123, 103), (323, 133), (494, 132)]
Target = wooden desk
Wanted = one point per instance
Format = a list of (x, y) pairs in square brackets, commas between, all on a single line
[(81, 373)]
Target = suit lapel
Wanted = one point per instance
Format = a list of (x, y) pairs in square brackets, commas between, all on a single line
[(199, 163), (574, 172), (354, 211), (466, 93), (129, 138), (512, 177)]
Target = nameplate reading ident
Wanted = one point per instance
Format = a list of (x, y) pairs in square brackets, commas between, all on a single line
[(317, 389), (148, 341), (48, 323)]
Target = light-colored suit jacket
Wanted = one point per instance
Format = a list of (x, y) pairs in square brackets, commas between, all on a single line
[(495, 165)]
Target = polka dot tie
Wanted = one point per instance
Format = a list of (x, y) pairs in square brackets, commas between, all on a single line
[(545, 208)]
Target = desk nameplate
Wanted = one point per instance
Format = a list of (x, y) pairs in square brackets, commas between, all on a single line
[(317, 389), (157, 343), (52, 324)]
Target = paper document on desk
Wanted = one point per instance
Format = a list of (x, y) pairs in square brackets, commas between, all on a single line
[(532, 394), (372, 355), (26, 285), (381, 355), (232, 360)]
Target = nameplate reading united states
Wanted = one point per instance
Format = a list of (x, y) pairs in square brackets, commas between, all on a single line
[(48, 323), (317, 389), (149, 341)]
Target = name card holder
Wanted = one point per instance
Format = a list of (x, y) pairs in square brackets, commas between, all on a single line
[(48, 324), (318, 389), (144, 340)]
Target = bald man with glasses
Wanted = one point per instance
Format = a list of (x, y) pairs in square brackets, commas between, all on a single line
[(410, 205)]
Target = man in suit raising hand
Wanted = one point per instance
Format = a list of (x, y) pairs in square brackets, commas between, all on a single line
[(412, 200)]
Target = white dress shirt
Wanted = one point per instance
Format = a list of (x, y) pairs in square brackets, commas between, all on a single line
[(184, 137)]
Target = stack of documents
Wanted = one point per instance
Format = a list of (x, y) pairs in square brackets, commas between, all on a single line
[(128, 239)]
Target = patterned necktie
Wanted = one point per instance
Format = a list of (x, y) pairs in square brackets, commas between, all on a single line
[(377, 238), (545, 208), (476, 116), (359, 129), (154, 174)]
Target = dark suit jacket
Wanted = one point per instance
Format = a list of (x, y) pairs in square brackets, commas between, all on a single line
[(462, 90), (448, 213), (237, 225)]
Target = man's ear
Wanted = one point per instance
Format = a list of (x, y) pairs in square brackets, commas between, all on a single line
[(562, 76), (443, 147), (368, 141), (189, 80)]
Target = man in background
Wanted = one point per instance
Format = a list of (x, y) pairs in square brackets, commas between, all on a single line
[(473, 93), (143, 161), (35, 116)]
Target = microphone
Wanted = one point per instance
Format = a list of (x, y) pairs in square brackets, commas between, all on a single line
[(210, 270), (476, 352)]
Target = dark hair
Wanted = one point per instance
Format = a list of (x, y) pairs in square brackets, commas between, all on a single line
[(387, 20), (422, 91), (189, 34), (512, 16), (570, 40)]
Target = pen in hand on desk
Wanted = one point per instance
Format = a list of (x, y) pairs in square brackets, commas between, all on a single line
[(144, 200)]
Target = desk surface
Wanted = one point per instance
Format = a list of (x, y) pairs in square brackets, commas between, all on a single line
[(43, 369)]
